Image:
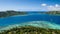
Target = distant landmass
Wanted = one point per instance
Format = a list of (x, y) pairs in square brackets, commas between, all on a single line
[(11, 13), (52, 12)]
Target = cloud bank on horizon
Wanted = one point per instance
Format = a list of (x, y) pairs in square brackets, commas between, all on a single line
[(30, 5), (56, 7)]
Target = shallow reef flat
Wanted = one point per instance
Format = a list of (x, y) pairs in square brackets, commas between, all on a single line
[(32, 27)]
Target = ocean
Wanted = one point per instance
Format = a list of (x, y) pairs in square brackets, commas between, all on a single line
[(31, 16)]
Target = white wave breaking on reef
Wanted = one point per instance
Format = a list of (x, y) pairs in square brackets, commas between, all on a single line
[(41, 24)]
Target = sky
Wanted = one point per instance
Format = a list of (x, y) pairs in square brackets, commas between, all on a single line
[(30, 5)]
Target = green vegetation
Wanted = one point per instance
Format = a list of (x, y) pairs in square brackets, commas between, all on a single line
[(51, 12), (11, 13), (30, 30)]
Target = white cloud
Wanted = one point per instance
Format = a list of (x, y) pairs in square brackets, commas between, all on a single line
[(43, 4), (53, 8), (56, 5)]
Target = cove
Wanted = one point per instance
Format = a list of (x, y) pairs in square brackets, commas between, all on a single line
[(29, 17)]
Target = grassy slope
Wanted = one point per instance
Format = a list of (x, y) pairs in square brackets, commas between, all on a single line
[(30, 30)]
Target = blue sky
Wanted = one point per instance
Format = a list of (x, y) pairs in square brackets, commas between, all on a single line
[(30, 5)]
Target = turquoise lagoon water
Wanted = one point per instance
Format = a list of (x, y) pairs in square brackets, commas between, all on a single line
[(51, 21)]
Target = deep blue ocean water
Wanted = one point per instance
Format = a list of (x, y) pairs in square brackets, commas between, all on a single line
[(29, 17)]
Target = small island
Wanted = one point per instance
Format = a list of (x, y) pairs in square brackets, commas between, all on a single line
[(30, 30), (11, 13)]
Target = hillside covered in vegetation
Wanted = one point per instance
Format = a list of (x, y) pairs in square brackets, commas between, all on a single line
[(51, 12), (11, 13), (30, 30)]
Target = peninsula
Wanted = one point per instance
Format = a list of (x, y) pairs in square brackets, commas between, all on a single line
[(11, 13)]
